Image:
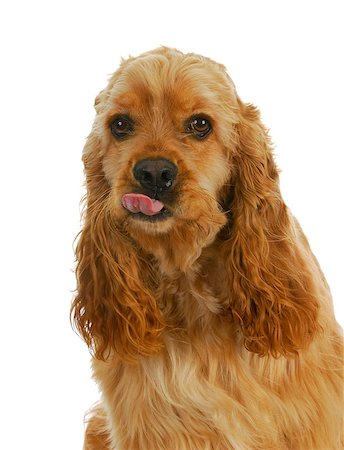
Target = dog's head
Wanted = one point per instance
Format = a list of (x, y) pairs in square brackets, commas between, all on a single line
[(174, 162)]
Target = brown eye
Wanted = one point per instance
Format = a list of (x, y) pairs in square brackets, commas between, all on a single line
[(199, 126), (121, 127)]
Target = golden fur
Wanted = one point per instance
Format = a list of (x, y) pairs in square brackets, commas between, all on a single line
[(214, 328)]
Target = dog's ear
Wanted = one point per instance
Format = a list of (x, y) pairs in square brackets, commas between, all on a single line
[(272, 295), (114, 308)]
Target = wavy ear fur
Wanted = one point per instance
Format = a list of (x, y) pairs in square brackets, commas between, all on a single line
[(273, 297), (114, 309)]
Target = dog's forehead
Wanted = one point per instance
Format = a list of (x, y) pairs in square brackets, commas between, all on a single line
[(183, 82)]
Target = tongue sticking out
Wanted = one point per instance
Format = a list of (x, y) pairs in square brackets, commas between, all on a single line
[(136, 203)]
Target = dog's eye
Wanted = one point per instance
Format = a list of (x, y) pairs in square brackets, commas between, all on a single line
[(200, 127), (121, 127)]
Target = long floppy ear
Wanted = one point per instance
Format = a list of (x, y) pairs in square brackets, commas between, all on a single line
[(273, 297), (114, 309)]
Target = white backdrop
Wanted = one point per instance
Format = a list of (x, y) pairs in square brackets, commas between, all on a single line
[(286, 57)]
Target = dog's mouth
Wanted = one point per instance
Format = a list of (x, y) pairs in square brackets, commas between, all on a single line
[(143, 207)]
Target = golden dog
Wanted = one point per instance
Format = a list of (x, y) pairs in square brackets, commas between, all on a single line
[(209, 319)]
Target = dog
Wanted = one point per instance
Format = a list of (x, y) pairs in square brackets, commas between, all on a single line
[(209, 320)]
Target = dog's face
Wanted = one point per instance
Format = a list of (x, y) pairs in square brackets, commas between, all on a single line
[(166, 121)]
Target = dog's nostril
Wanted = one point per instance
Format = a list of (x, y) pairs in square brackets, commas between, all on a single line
[(166, 177)]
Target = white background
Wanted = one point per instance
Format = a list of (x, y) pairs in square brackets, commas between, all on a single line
[(284, 56)]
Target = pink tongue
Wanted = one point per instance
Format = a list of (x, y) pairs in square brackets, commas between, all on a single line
[(141, 203)]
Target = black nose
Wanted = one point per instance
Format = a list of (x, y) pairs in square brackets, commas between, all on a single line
[(155, 174)]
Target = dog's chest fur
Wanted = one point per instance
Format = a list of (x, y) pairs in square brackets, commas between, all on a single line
[(204, 387), (192, 386)]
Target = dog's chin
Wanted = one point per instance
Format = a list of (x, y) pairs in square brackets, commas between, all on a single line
[(163, 215), (156, 224)]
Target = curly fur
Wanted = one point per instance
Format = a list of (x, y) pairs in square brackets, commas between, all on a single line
[(213, 329)]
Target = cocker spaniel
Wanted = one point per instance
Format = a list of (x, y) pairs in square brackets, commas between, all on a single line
[(210, 322)]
